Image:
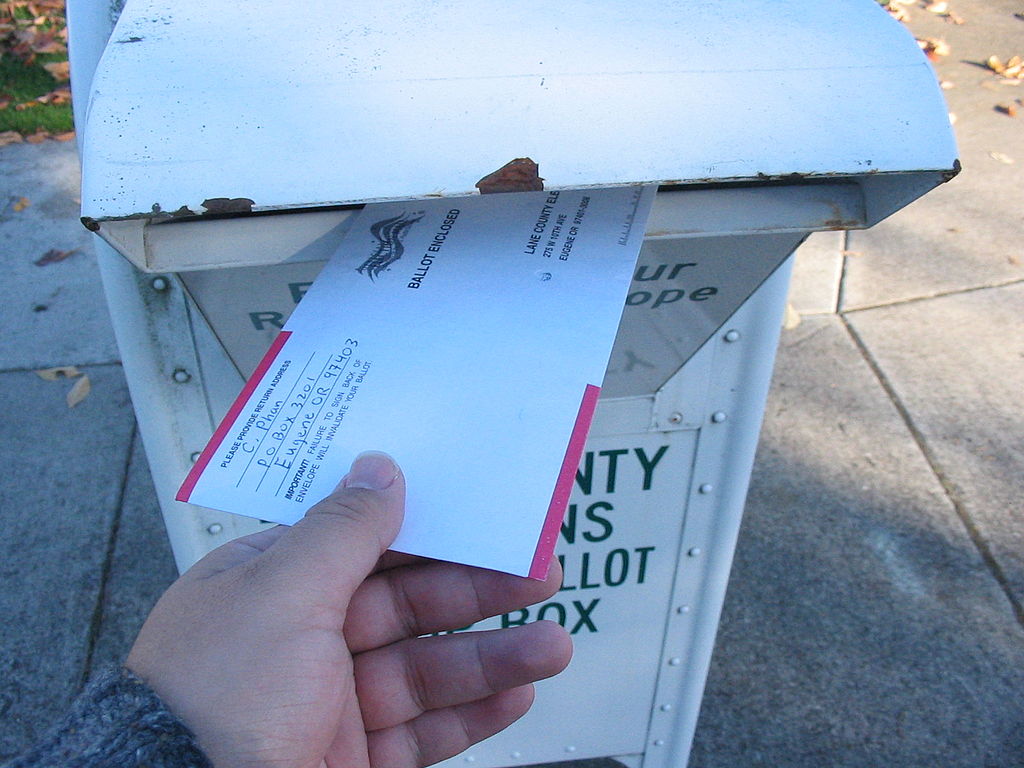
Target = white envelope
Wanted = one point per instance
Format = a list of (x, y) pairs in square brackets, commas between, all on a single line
[(466, 337)]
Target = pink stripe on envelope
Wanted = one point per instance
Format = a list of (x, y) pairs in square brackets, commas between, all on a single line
[(563, 486), (218, 437)]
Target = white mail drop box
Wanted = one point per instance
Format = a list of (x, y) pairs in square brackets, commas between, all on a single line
[(225, 147)]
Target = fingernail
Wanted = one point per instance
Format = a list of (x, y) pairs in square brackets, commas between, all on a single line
[(373, 470)]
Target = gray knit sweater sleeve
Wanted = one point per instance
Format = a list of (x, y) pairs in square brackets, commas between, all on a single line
[(117, 722)]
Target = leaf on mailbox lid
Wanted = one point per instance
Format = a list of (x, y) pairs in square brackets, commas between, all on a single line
[(519, 175), (228, 205)]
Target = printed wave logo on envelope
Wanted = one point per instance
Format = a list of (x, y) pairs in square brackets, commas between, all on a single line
[(483, 387), (388, 233)]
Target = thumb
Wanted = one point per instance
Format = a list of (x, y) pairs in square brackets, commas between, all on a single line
[(338, 542)]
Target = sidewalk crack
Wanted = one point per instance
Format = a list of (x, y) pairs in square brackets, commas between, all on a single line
[(948, 487), (844, 263)]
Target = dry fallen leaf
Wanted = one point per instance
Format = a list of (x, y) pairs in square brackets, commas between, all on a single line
[(518, 175), (10, 137), (21, 204), (38, 137), (31, 28), (1012, 68), (897, 11), (79, 391), (49, 44), (941, 8), (60, 372), (63, 137), (934, 48), (52, 256), (792, 317), (1004, 159), (56, 96), (60, 70)]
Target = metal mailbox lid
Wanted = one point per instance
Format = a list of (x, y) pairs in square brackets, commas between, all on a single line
[(361, 101)]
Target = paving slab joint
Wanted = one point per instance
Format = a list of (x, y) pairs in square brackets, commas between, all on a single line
[(96, 620), (936, 295), (948, 487), (78, 363)]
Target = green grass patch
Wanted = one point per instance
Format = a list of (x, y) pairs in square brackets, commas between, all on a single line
[(21, 83), (33, 46)]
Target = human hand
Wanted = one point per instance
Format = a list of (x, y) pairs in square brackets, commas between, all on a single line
[(300, 647)]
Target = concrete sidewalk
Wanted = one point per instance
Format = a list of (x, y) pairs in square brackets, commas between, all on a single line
[(875, 610), (874, 615)]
